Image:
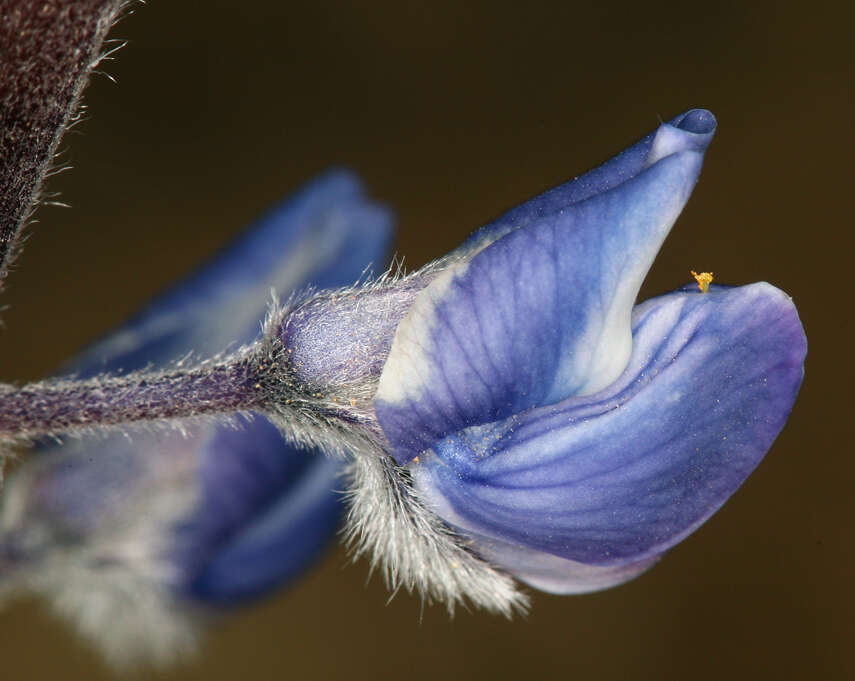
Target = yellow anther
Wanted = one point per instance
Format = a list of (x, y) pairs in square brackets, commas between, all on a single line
[(704, 280)]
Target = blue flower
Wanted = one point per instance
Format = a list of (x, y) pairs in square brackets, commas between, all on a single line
[(508, 411), (568, 436), (131, 533)]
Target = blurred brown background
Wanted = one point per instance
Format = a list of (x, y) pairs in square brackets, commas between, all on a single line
[(453, 112)]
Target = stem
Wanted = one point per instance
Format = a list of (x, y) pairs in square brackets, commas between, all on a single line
[(54, 407), (47, 50)]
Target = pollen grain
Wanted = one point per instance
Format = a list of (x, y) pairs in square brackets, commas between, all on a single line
[(704, 280)]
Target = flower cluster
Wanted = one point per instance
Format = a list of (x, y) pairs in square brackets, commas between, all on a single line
[(507, 413)]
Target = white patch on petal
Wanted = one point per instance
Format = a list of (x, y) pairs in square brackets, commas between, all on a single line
[(669, 140), (608, 344), (612, 343), (405, 375)]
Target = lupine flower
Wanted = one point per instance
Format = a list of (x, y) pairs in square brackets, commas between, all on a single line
[(542, 426), (572, 437), (133, 535), (508, 412)]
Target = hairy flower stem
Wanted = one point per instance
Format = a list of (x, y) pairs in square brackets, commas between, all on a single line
[(47, 51), (54, 407)]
